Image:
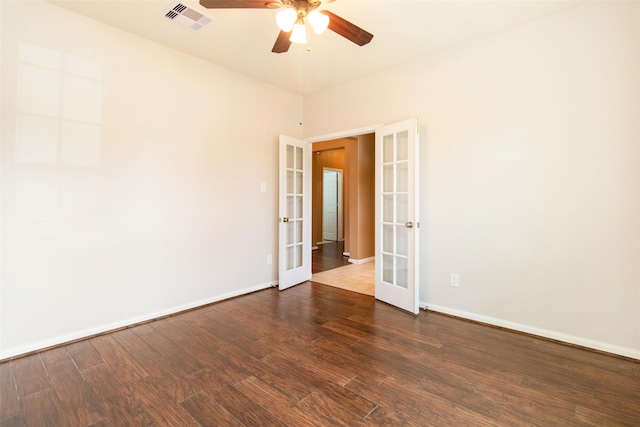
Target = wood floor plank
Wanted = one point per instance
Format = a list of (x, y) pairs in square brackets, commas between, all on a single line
[(152, 334), (427, 406), (155, 365), (115, 398), (397, 363), (317, 380), (206, 411), (125, 368), (30, 375), (276, 403), (584, 357), (288, 383), (196, 324), (42, 408), (9, 405), (84, 354), (588, 416), (103, 381), (203, 346), (245, 409), (316, 356), (384, 417), (493, 390), (295, 352), (15, 421), (124, 410), (351, 401), (249, 342), (280, 328), (532, 372), (398, 333), (75, 396), (622, 406), (149, 359), (329, 411), (344, 357), (164, 410), (383, 340), (55, 356)]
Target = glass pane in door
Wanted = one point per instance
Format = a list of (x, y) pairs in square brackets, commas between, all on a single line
[(401, 272), (395, 210), (295, 195), (387, 269)]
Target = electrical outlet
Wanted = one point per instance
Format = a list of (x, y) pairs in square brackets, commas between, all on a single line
[(455, 280), (269, 260), (263, 187)]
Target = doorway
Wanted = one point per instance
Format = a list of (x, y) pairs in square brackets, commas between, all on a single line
[(395, 207), (345, 261)]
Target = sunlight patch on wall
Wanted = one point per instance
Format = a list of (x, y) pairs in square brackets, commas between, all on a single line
[(59, 108)]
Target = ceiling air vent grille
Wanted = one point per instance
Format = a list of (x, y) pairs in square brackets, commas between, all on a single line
[(186, 17)]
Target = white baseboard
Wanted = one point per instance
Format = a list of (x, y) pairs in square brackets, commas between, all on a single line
[(362, 261), (346, 254), (558, 336), (85, 333)]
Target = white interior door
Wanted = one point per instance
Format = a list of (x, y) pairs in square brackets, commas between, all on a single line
[(397, 215), (329, 205), (294, 234)]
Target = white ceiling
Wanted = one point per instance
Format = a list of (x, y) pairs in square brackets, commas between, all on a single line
[(241, 39)]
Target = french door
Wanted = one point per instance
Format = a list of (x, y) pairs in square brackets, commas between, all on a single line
[(294, 200), (396, 237)]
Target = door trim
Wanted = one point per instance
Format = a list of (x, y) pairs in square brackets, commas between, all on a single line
[(343, 134)]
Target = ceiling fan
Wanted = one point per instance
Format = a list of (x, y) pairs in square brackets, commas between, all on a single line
[(291, 20)]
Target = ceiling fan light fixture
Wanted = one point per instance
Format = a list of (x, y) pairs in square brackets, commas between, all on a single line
[(299, 32), (319, 21), (286, 18)]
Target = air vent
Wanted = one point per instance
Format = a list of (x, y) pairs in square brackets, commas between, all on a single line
[(186, 17)]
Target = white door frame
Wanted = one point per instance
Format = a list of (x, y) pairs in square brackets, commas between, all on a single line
[(345, 134)]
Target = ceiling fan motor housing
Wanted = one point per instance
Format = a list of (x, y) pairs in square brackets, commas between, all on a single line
[(303, 7)]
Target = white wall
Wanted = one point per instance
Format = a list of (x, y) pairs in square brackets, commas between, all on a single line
[(130, 178), (530, 172)]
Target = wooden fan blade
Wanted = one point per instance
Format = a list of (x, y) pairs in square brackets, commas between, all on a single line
[(282, 42), (238, 4), (347, 30)]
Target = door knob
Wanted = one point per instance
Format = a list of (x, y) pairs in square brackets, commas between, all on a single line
[(285, 219), (409, 224)]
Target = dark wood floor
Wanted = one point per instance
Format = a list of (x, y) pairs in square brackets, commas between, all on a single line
[(315, 355), (328, 256)]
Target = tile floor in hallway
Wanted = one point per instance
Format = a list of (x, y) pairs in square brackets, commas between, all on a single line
[(353, 277)]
